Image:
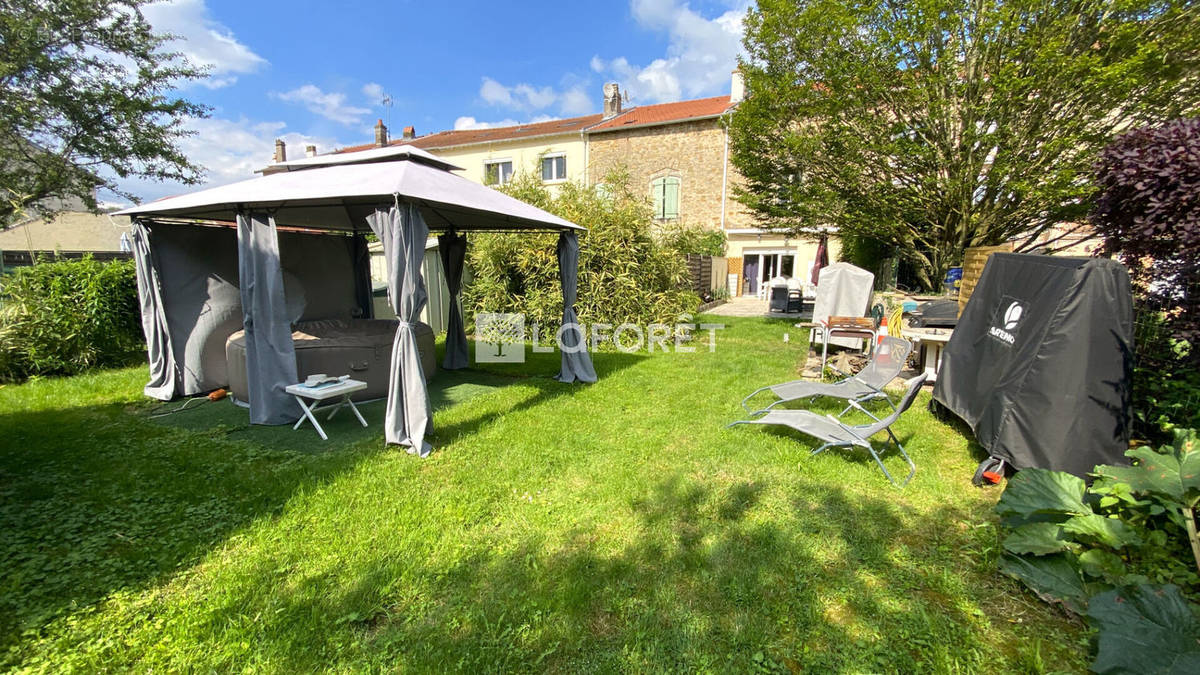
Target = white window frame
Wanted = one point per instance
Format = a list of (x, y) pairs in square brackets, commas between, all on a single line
[(553, 155), (500, 175)]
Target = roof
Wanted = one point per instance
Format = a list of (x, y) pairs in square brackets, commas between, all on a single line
[(446, 139), (374, 154), (666, 113), (341, 196), (641, 116)]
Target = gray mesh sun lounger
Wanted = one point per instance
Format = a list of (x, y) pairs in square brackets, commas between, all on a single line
[(885, 364), (835, 433)]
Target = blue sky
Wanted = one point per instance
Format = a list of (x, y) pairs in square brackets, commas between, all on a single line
[(316, 72)]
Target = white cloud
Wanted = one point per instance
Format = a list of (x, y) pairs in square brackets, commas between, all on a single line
[(576, 101), (373, 92), (463, 123), (229, 151), (701, 53), (330, 105), (528, 98), (494, 93), (536, 98), (203, 41)]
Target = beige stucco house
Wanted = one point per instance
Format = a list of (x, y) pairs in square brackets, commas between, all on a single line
[(555, 150)]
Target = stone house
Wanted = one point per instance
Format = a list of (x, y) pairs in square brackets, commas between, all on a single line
[(680, 153)]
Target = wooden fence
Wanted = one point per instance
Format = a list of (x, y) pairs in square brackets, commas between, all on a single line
[(706, 273), (974, 260)]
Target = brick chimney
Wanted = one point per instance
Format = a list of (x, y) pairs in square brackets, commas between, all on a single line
[(381, 134), (612, 100), (310, 151), (737, 89), (280, 150), (410, 132)]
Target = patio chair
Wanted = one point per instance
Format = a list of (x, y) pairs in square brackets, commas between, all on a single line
[(885, 364), (835, 433)]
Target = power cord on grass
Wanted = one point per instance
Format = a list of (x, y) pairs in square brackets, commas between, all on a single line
[(212, 396)]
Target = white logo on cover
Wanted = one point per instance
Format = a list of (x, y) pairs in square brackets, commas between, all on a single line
[(1012, 315)]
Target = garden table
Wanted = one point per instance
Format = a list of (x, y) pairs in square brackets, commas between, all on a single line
[(323, 392)]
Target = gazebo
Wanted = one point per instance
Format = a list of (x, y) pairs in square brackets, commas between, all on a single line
[(193, 278)]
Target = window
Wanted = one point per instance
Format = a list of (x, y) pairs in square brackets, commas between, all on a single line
[(665, 193), (554, 168), (497, 173)]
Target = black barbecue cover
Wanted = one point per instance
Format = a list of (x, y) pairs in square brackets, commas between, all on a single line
[(1041, 363)]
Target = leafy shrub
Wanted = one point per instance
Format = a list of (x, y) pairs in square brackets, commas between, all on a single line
[(1166, 383), (863, 251), (624, 275), (1148, 214), (1132, 534), (693, 240), (61, 318)]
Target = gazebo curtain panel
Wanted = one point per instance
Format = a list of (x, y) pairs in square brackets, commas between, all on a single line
[(270, 355), (576, 362), (154, 318), (402, 231), (453, 249)]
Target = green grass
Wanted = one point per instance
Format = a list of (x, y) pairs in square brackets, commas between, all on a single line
[(611, 527)]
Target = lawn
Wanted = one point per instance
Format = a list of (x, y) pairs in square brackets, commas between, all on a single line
[(611, 527)]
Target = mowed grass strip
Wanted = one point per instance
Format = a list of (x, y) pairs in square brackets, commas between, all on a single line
[(611, 527)]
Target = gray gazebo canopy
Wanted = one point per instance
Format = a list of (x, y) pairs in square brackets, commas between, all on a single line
[(400, 194)]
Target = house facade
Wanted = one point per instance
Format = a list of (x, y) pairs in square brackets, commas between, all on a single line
[(555, 150), (71, 234), (680, 153), (677, 152)]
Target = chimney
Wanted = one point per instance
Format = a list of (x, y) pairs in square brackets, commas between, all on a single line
[(737, 89), (410, 132), (612, 100), (310, 151), (381, 135), (280, 150)]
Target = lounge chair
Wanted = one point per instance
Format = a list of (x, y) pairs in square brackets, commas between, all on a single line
[(885, 364), (836, 433)]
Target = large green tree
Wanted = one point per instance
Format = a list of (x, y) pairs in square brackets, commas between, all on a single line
[(934, 125), (86, 99)]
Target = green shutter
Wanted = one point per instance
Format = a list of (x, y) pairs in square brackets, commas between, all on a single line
[(656, 191), (670, 198)]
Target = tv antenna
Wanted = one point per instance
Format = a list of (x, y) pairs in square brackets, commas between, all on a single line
[(387, 104)]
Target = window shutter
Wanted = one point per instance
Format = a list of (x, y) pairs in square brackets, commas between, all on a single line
[(656, 191), (670, 198)]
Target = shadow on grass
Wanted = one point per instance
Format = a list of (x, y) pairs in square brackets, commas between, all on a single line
[(837, 581), (97, 499)]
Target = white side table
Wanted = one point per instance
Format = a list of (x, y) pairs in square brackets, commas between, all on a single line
[(340, 391)]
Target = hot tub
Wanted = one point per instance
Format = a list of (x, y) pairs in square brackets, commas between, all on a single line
[(360, 348)]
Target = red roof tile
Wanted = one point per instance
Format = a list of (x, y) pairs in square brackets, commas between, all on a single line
[(663, 113), (445, 139)]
